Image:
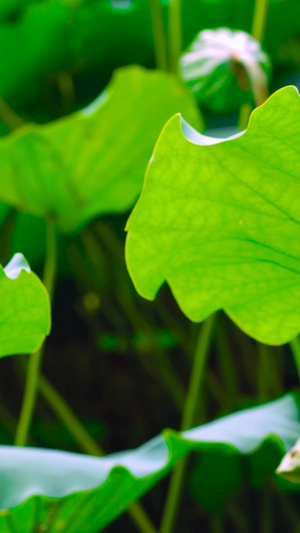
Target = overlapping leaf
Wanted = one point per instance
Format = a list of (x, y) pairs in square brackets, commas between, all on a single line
[(25, 309), (92, 162), (53, 486), (220, 222)]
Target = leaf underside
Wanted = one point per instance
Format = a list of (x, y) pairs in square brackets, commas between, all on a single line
[(219, 222), (54, 486)]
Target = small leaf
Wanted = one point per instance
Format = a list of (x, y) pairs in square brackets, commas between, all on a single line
[(25, 309), (219, 221), (60, 483), (92, 162)]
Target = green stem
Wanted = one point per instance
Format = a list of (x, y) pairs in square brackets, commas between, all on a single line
[(67, 89), (159, 38), (268, 377), (175, 35), (87, 444), (169, 378), (295, 349), (68, 418), (8, 116), (216, 523), (259, 23), (266, 522), (227, 365), (189, 412), (140, 518), (262, 377), (35, 359), (7, 229), (244, 116)]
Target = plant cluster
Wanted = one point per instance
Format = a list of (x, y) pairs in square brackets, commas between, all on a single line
[(154, 117)]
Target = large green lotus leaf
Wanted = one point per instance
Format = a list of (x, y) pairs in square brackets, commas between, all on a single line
[(43, 488), (92, 162), (219, 221), (25, 309)]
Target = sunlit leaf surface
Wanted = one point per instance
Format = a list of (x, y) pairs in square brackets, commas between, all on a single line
[(54, 485), (219, 221), (92, 162), (25, 309)]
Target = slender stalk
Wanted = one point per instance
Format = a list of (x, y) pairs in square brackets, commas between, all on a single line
[(244, 116), (7, 419), (174, 35), (202, 350), (216, 523), (159, 37), (67, 89), (35, 359), (238, 518), (189, 412), (266, 522), (111, 241), (68, 418), (227, 365), (7, 228), (87, 444), (9, 116), (94, 251), (259, 23), (295, 349), (268, 378), (140, 518), (263, 388)]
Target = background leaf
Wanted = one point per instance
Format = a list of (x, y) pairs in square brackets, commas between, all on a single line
[(92, 162), (25, 309), (42, 38), (219, 221)]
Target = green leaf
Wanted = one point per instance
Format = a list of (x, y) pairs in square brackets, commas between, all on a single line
[(219, 221), (25, 309), (60, 483), (215, 466), (92, 162)]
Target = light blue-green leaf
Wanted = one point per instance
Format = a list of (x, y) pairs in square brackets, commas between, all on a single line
[(42, 489)]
